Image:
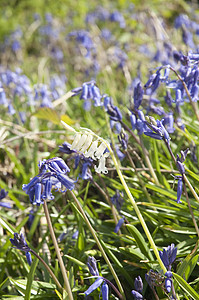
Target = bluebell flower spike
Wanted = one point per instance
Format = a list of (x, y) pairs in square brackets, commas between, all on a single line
[(168, 281), (168, 256), (19, 243), (94, 286), (138, 284), (105, 291), (179, 190), (119, 225)]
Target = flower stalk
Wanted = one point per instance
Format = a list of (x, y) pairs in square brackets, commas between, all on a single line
[(62, 267), (99, 245)]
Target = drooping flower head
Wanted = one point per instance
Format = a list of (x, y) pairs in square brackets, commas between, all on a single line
[(19, 243), (52, 175), (168, 256)]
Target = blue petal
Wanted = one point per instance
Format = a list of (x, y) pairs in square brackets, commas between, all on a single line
[(94, 286), (105, 291)]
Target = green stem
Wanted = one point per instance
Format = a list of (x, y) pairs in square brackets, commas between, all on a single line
[(184, 176), (99, 244), (138, 212), (148, 162), (190, 209), (48, 269), (62, 267)]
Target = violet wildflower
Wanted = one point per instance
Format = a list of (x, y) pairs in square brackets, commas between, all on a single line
[(117, 200), (138, 284), (52, 175), (105, 291), (114, 112), (123, 139), (179, 189), (3, 194), (116, 16), (168, 281), (19, 243), (119, 225), (137, 295), (100, 281), (158, 131), (168, 256), (180, 160), (138, 95)]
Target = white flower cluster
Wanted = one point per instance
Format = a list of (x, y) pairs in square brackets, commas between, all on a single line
[(95, 150)]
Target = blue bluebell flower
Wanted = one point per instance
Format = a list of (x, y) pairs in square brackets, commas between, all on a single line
[(158, 131), (123, 139), (94, 286), (100, 281), (179, 189), (92, 265), (138, 284), (52, 175), (116, 16), (3, 194), (180, 160), (117, 200), (89, 91), (19, 243), (137, 295), (169, 122), (119, 225), (168, 281), (114, 112), (168, 256), (105, 291), (138, 95)]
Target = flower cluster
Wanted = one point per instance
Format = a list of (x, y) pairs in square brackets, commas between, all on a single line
[(19, 243), (96, 150), (52, 174), (3, 194), (168, 256), (138, 284), (100, 281), (89, 91)]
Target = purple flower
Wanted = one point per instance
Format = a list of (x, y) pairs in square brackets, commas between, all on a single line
[(92, 265), (168, 256), (138, 284), (158, 131), (94, 286), (123, 139), (19, 243), (116, 16), (105, 291), (119, 225), (137, 295), (138, 95), (3, 194), (168, 281), (179, 189), (114, 112), (117, 200)]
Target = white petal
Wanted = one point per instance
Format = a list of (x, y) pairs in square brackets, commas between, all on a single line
[(75, 141), (81, 142), (91, 150), (101, 168), (87, 143), (100, 150)]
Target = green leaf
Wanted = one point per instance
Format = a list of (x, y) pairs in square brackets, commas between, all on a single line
[(30, 279), (186, 287), (76, 261), (49, 114), (140, 241)]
